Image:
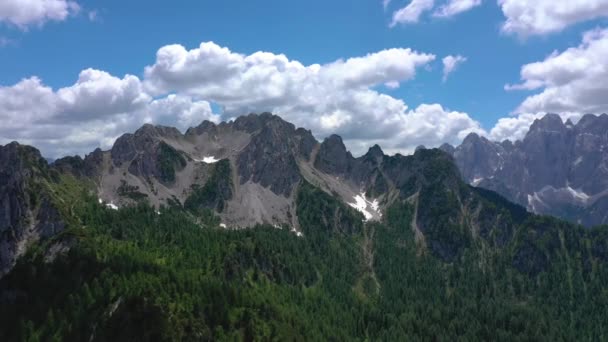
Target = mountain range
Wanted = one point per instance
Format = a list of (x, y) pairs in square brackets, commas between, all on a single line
[(558, 169), (246, 171), (146, 239)]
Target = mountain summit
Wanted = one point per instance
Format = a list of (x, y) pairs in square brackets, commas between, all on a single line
[(558, 169)]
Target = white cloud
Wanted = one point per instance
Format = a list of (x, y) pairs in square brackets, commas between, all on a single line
[(385, 3), (430, 125), (571, 81), (513, 128), (216, 72), (98, 93), (516, 127), (450, 64), (454, 7), (412, 12), (339, 97), (92, 112), (539, 17), (392, 84), (26, 13)]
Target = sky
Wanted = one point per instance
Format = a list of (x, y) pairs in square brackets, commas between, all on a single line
[(77, 74)]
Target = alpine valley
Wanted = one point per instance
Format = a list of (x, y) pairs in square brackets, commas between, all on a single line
[(253, 230)]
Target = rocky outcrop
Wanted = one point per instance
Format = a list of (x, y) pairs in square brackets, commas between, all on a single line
[(333, 158), (477, 156), (89, 167), (270, 159), (27, 214)]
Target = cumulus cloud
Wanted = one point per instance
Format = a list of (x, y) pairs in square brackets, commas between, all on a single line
[(539, 17), (92, 112), (26, 13), (216, 72), (339, 97), (516, 127), (450, 63), (454, 7), (430, 125), (571, 81), (513, 128), (412, 12), (97, 93)]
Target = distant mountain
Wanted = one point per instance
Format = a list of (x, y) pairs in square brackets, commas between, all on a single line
[(144, 242), (558, 169)]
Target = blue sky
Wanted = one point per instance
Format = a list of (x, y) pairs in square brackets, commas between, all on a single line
[(123, 37)]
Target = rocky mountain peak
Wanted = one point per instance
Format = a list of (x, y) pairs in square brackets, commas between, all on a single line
[(590, 123), (271, 157), (477, 156), (254, 122), (548, 123), (447, 148), (26, 213), (374, 154), (15, 156), (149, 130), (558, 168), (144, 140), (333, 158), (472, 138), (205, 127)]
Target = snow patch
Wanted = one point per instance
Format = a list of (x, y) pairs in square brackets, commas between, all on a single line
[(533, 200), (476, 181), (207, 160), (223, 225), (298, 234), (108, 205), (292, 230), (366, 207), (578, 194)]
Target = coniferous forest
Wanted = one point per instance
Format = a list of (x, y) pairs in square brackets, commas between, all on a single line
[(138, 274)]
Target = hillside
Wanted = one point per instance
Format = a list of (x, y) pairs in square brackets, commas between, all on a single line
[(339, 248)]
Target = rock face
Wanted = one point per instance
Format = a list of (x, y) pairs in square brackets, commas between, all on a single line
[(249, 171), (558, 169), (261, 154), (270, 159), (26, 212), (333, 157)]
